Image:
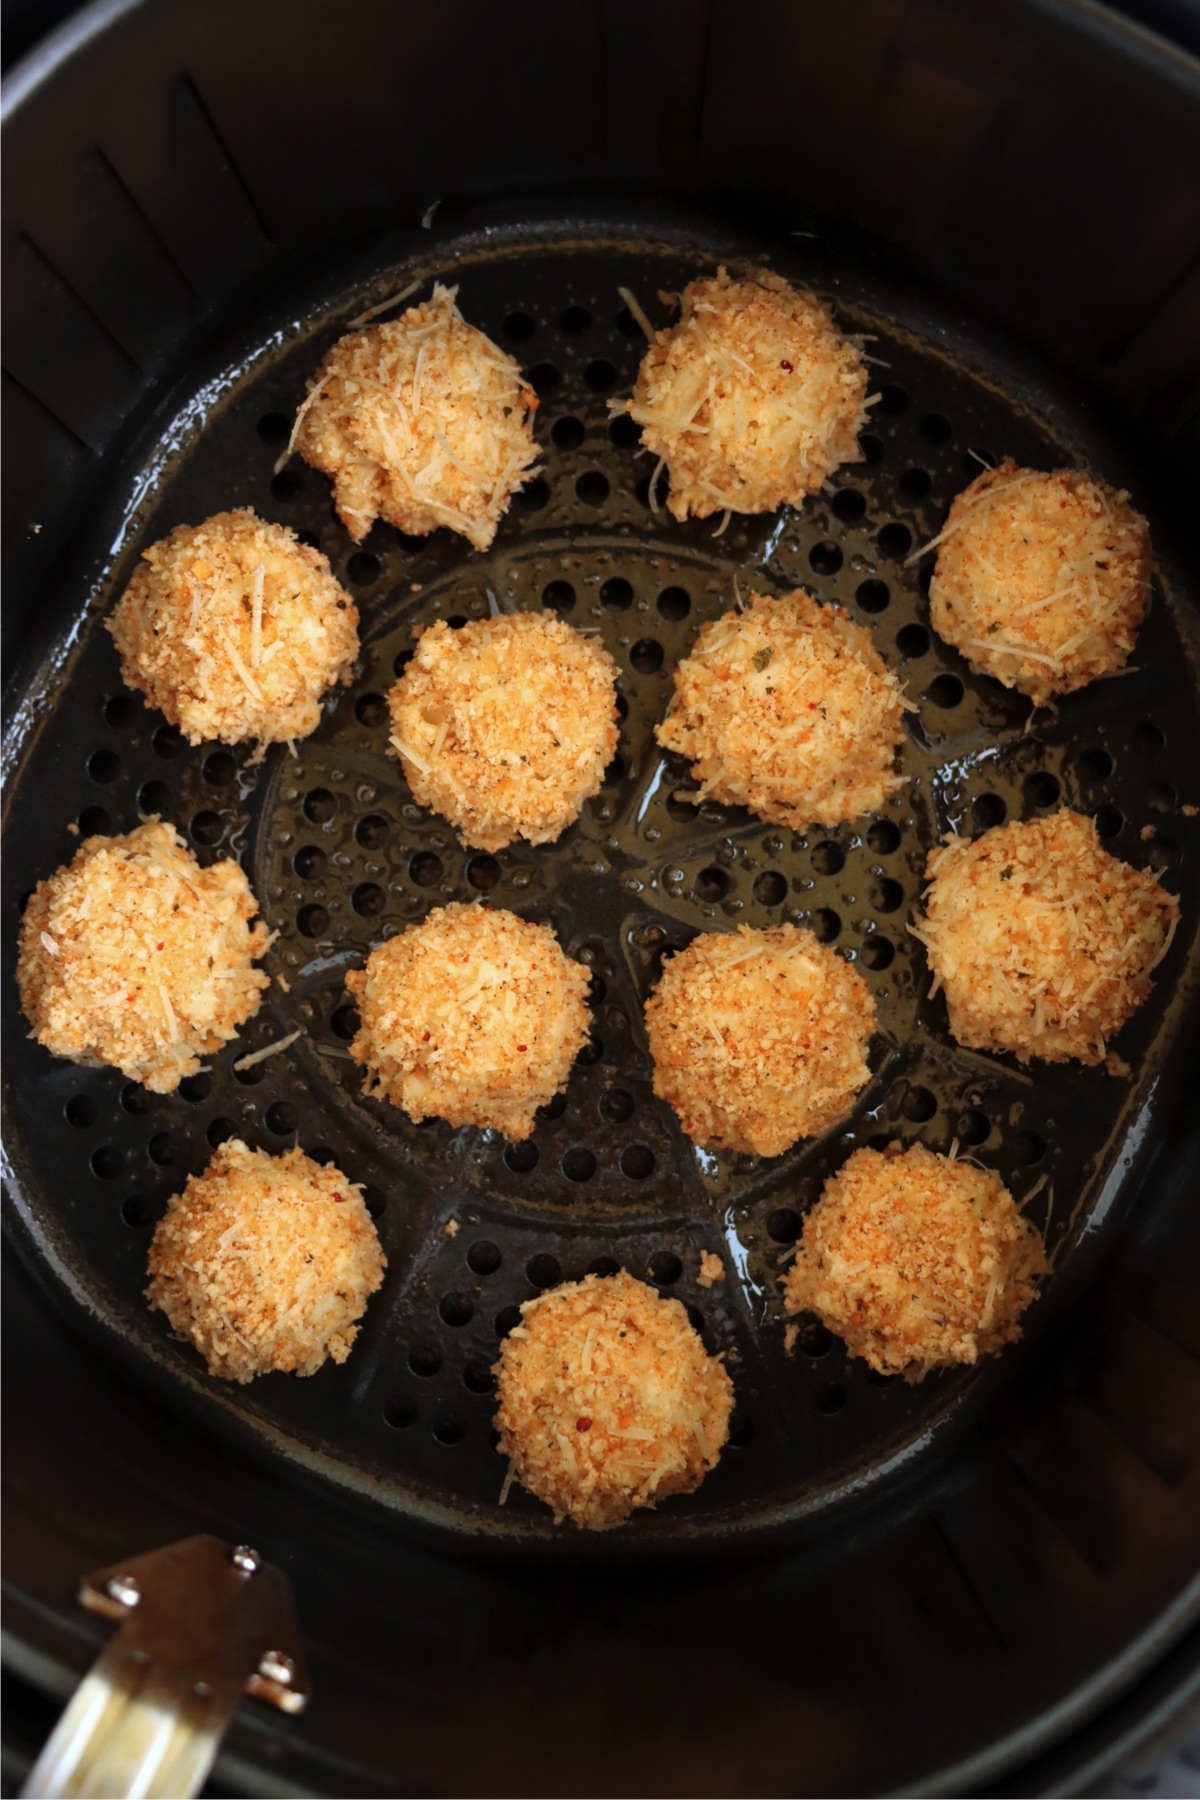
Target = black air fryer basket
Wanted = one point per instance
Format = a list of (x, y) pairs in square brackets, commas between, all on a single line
[(984, 1583)]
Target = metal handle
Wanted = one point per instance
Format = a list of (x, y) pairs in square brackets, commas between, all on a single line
[(201, 1623)]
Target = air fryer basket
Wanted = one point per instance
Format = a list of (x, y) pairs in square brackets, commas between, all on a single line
[(868, 1558)]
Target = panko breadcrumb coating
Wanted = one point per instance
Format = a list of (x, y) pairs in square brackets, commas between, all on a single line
[(608, 1400), (234, 630), (1041, 580), (265, 1263), (506, 726), (752, 400), (759, 1038), (472, 1016), (134, 955), (917, 1261), (1043, 942), (787, 708), (421, 421)]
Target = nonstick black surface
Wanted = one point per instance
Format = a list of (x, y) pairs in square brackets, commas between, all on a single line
[(340, 857)]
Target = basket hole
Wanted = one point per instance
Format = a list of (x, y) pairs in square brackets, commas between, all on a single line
[(195, 1087), (312, 921), (575, 318), (477, 1376), (80, 1111), (456, 1309), (616, 1106), (363, 568), (400, 1412), (1095, 765), (601, 375), (287, 484), (554, 1108), (483, 872), (309, 862), (169, 741), (895, 540), (591, 1053), (918, 1105), (521, 1158), (252, 1075), (849, 504), (828, 858), (344, 1023), (138, 1212), (885, 895), (935, 427), (401, 661), (945, 691), (219, 1131), (95, 822), (1108, 821), (220, 768), (273, 428), (916, 483), (104, 766), (912, 641), (893, 398), (617, 594), (711, 884), (624, 432), (207, 828), (988, 811), (425, 869), (825, 558), (1161, 796), (877, 953), (518, 325), (674, 603), (558, 597), (1149, 738), (664, 1268), (532, 498), (783, 1225), (484, 1257), (883, 837), (1164, 853), (579, 1164), (661, 490), (449, 1429), (319, 806), (1042, 788), (568, 433), (770, 888), (543, 1270), (368, 900), (615, 772), (646, 656), (375, 1201), (370, 709), (813, 1338), (121, 711), (372, 832), (506, 1319), (873, 596), (1029, 1147), (972, 1127), (107, 1162), (604, 1266), (696, 1318), (592, 488), (871, 447), (826, 925), (135, 1099), (544, 378), (282, 1118), (425, 1359), (637, 1162)]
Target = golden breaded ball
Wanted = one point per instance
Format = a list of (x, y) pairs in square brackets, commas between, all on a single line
[(1041, 580), (759, 1038), (265, 1263), (608, 1400), (472, 1016), (787, 708), (916, 1260), (134, 955), (421, 421), (752, 400), (235, 630), (1042, 941), (506, 726)]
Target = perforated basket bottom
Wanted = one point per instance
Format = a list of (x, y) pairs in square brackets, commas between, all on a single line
[(340, 857)]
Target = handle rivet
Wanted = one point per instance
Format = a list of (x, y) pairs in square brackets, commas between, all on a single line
[(273, 1666), (245, 1559), (124, 1589)]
